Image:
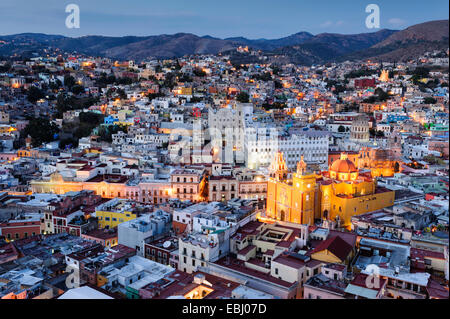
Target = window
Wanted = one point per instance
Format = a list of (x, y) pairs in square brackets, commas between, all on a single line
[(276, 271)]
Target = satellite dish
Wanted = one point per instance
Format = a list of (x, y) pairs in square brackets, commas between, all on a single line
[(167, 244)]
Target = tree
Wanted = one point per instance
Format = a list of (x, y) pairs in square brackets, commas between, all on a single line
[(91, 118), (276, 70), (41, 131), (69, 81), (382, 95), (34, 94), (278, 85), (5, 67), (121, 93), (68, 142), (54, 85), (429, 100), (77, 89), (106, 133), (170, 80), (243, 97), (265, 76), (199, 72)]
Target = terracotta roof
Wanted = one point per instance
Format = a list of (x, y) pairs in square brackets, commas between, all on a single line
[(336, 245), (421, 254)]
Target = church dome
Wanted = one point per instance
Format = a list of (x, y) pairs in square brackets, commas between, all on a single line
[(343, 165)]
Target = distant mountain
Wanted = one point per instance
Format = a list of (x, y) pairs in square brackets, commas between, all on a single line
[(327, 47), (168, 46), (409, 43), (269, 45), (301, 48), (428, 31)]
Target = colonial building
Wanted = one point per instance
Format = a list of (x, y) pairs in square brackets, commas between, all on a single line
[(359, 131), (336, 195)]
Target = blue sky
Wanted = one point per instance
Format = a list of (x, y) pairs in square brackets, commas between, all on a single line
[(219, 18)]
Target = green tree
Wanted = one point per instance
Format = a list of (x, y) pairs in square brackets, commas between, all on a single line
[(34, 94), (278, 85), (41, 131), (5, 67), (429, 100), (77, 89), (55, 84), (199, 72), (69, 81), (243, 97)]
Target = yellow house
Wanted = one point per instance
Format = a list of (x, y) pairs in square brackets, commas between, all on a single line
[(183, 90), (114, 212), (113, 219)]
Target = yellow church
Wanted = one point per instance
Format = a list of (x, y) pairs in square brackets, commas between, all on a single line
[(335, 195)]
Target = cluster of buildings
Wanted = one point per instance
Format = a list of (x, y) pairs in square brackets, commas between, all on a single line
[(199, 177)]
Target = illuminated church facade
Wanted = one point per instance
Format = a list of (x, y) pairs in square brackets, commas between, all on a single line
[(334, 195)]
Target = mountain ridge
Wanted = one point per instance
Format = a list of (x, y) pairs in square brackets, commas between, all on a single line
[(301, 47)]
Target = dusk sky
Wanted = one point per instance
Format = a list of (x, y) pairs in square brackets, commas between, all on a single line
[(249, 18)]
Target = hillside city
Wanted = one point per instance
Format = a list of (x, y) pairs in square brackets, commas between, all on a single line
[(208, 177)]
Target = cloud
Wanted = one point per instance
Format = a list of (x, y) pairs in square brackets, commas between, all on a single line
[(330, 23), (397, 22), (326, 24)]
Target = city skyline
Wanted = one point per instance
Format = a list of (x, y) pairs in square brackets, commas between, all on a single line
[(181, 167)]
